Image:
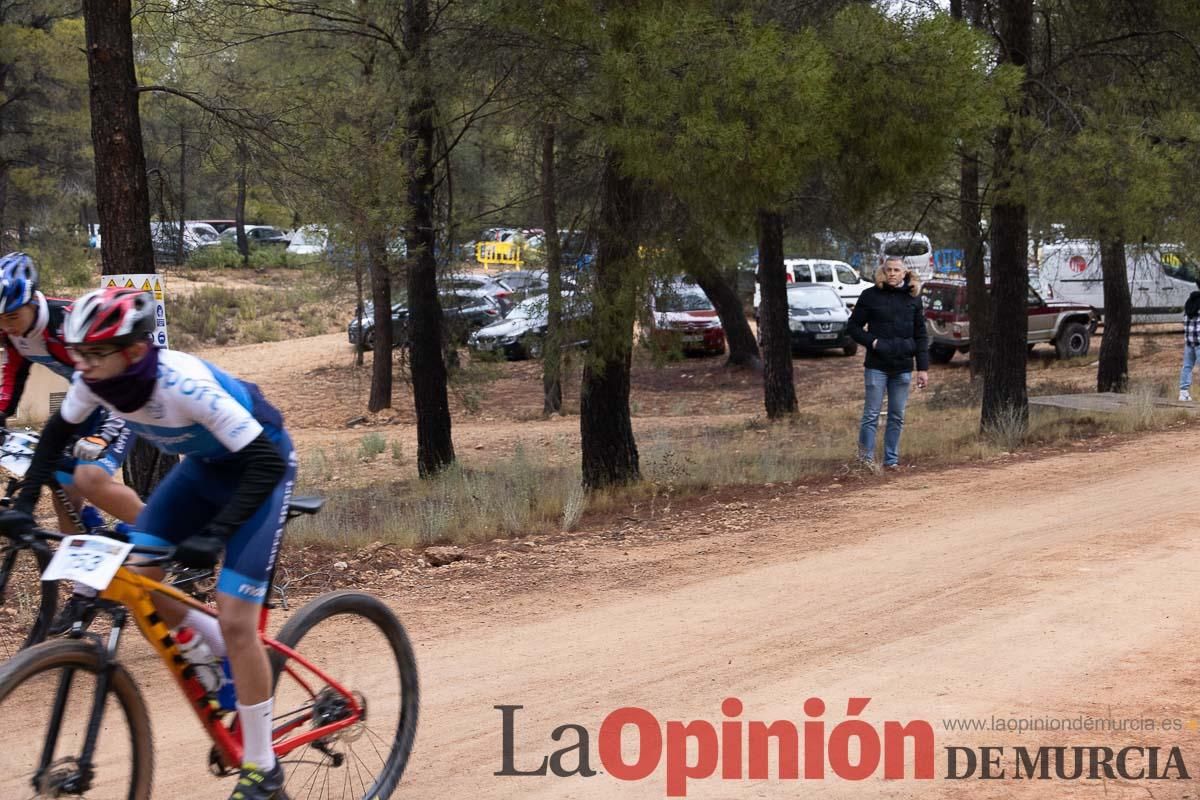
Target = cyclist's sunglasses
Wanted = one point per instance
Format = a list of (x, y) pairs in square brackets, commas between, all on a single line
[(92, 355)]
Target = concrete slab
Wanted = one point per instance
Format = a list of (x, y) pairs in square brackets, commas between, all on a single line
[(1106, 402)]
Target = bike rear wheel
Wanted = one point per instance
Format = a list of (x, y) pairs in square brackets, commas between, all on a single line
[(27, 603), (31, 685), (358, 642)]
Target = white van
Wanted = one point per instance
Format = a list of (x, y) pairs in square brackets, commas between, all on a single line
[(1160, 277), (838, 275), (915, 248)]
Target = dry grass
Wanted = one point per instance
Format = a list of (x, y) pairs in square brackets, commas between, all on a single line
[(519, 496)]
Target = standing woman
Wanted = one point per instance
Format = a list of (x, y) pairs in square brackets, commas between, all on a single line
[(889, 321)]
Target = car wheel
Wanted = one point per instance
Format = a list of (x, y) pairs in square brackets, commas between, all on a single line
[(369, 340), (1073, 341), (850, 349), (941, 353), (533, 347)]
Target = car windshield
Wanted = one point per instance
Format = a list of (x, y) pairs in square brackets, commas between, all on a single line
[(903, 248), (846, 275), (309, 236), (815, 299), (1179, 264), (533, 308), (940, 297), (674, 302)]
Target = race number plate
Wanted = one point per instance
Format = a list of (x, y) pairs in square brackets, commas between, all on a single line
[(90, 560)]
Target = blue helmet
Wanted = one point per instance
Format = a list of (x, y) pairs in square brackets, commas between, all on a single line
[(18, 281)]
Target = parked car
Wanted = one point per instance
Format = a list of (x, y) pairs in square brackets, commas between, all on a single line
[(817, 319), (1068, 326), (522, 333), (258, 235), (461, 315), (477, 285), (838, 274), (915, 248), (165, 238), (683, 319), (524, 282), (308, 240)]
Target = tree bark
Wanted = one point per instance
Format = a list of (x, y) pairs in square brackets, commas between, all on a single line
[(1005, 398), (435, 447), (779, 389), (180, 250), (381, 296), (122, 194), (743, 349), (552, 346), (239, 214), (610, 455), (1113, 372)]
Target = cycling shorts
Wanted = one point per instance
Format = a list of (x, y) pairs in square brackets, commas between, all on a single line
[(191, 496)]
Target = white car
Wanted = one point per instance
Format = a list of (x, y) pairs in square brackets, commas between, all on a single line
[(308, 240), (838, 275), (914, 248)]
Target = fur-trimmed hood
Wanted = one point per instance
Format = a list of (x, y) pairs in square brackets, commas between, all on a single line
[(911, 278)]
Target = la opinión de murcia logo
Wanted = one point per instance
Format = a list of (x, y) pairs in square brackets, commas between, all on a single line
[(853, 749)]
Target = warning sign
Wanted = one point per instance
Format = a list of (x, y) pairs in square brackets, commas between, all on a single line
[(152, 284)]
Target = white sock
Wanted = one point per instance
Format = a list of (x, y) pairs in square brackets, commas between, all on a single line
[(255, 721), (209, 630)]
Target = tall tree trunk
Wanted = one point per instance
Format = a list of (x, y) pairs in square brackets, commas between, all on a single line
[(122, 194), (610, 455), (743, 349), (552, 346), (3, 200), (381, 297), (435, 447), (239, 212), (779, 388), (978, 297), (180, 250), (1005, 399), (1113, 372)]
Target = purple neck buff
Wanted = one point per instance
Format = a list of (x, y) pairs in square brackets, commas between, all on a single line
[(130, 390)]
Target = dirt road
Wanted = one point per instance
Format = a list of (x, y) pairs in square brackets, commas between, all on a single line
[(1062, 588)]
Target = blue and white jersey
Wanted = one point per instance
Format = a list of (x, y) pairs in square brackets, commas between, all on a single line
[(194, 409)]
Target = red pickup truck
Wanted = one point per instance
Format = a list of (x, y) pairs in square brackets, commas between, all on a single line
[(1068, 326)]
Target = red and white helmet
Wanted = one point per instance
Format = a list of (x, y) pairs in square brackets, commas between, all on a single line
[(116, 315)]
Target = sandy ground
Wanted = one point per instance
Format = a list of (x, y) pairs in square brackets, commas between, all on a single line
[(1003, 591)]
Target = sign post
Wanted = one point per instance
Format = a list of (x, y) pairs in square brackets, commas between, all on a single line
[(147, 282)]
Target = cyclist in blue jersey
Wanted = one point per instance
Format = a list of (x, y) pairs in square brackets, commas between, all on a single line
[(32, 327), (230, 492)]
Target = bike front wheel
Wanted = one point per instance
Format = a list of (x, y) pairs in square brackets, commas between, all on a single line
[(48, 695), (359, 645), (27, 603)]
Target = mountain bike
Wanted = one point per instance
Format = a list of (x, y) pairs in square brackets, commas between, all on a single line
[(28, 604), (344, 676)]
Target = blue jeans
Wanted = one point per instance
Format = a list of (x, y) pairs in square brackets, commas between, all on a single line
[(896, 386), (1191, 354)]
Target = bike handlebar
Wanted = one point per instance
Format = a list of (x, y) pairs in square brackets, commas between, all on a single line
[(155, 555)]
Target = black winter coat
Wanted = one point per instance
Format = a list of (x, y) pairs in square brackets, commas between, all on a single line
[(894, 320)]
